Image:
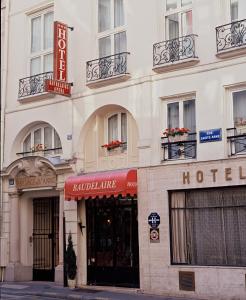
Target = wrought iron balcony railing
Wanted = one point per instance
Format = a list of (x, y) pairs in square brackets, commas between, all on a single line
[(33, 85), (106, 67), (231, 35), (236, 141), (183, 149), (43, 152), (174, 50)]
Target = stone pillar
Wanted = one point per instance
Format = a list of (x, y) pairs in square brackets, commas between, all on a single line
[(13, 270), (59, 268)]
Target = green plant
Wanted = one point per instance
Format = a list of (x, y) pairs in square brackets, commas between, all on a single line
[(71, 266)]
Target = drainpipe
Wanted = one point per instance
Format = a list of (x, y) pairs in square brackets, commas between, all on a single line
[(4, 68)]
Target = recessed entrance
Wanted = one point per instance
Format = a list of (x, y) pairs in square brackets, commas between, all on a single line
[(112, 242), (45, 238)]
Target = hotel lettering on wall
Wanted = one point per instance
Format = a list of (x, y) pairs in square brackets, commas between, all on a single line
[(214, 175)]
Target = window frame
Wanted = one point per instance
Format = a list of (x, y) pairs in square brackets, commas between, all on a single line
[(112, 31), (119, 122), (179, 10), (42, 53), (42, 127)]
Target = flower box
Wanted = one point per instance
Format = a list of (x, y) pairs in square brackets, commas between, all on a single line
[(113, 145), (176, 134)]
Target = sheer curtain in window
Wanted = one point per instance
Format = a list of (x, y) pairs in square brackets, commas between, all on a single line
[(27, 143), (172, 26), (48, 62), (113, 128), (57, 142), (104, 46), (120, 42), (119, 18), (104, 15), (124, 129), (239, 107), (36, 34), (238, 9), (48, 30), (189, 116), (173, 115), (35, 66)]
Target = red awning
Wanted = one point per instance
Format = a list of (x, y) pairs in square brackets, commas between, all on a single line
[(110, 183)]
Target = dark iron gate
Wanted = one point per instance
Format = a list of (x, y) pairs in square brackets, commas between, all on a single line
[(45, 238), (112, 242)]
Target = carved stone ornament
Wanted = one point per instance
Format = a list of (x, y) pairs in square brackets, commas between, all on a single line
[(33, 173)]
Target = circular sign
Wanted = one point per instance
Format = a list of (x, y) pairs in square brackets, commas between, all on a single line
[(154, 235), (154, 220)]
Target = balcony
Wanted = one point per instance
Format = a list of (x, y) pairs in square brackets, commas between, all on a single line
[(33, 86), (107, 70), (231, 39), (175, 54), (179, 150), (236, 140)]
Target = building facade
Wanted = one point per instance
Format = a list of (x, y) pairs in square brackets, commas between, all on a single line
[(143, 161)]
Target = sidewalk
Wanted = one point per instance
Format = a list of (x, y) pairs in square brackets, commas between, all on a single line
[(53, 290)]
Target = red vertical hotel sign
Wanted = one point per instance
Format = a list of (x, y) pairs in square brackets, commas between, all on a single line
[(60, 51)]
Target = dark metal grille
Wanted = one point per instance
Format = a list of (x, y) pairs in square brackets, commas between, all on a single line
[(231, 35), (236, 141), (44, 152), (33, 85), (106, 67), (180, 149), (186, 281), (45, 238), (174, 50)]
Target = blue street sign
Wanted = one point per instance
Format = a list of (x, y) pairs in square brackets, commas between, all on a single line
[(154, 220), (211, 135)]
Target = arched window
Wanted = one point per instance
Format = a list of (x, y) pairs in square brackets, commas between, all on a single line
[(42, 139)]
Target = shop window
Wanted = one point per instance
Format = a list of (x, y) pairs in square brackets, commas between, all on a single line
[(43, 140), (208, 227), (41, 50), (117, 128), (111, 27)]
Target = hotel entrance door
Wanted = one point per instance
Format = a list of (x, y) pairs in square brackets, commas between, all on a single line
[(112, 242)]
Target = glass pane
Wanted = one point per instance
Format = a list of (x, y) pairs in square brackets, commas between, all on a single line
[(36, 34), (103, 15), (172, 26), (123, 127), (48, 30), (190, 115), (118, 13), (35, 66), (187, 23), (234, 10), (48, 62), (57, 141), (48, 137), (104, 46), (120, 42), (173, 115), (171, 4), (113, 128), (239, 108), (27, 143), (37, 136), (186, 2)]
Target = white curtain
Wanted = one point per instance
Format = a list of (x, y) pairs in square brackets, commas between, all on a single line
[(36, 34), (120, 42), (48, 137), (119, 18), (113, 128), (37, 137), (239, 107), (104, 15), (48, 30), (189, 116), (172, 27), (238, 9), (185, 2), (171, 4), (57, 142), (35, 66), (123, 127), (48, 62), (27, 143), (173, 115), (186, 23), (104, 46)]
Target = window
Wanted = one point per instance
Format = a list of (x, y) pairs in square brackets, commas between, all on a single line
[(41, 56), (111, 31), (238, 10), (182, 114), (117, 128), (46, 136), (208, 227), (178, 18)]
